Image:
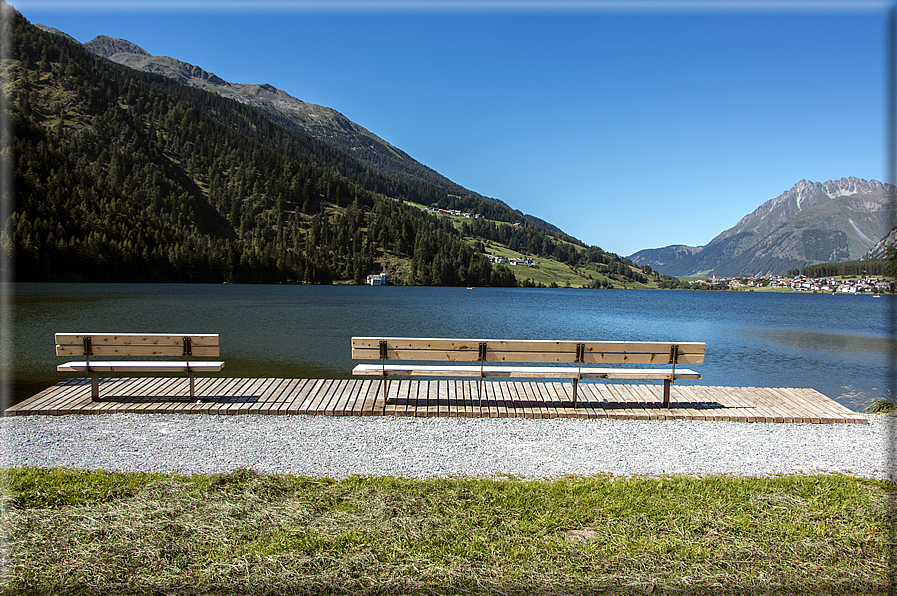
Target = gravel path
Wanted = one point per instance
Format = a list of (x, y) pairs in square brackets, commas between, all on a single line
[(427, 447)]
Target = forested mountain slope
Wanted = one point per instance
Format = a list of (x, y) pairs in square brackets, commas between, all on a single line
[(320, 122), (122, 175)]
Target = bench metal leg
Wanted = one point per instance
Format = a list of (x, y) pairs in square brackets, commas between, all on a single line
[(575, 389), (192, 384), (94, 386), (666, 393)]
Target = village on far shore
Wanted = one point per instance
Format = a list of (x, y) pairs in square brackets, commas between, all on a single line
[(800, 283)]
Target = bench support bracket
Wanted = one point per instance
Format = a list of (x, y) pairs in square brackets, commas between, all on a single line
[(674, 357), (580, 357)]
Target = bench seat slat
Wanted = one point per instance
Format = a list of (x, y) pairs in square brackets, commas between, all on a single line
[(151, 367), (546, 372)]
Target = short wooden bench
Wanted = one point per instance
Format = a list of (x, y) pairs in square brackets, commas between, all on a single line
[(185, 346), (576, 355)]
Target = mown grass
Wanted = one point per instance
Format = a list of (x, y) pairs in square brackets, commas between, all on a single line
[(80, 532)]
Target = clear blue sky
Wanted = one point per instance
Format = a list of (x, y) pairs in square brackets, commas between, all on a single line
[(629, 125)]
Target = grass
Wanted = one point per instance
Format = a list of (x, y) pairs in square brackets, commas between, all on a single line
[(82, 532), (882, 405)]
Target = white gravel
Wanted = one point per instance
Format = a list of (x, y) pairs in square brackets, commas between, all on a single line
[(425, 447)]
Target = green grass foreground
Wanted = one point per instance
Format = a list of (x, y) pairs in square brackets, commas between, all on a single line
[(79, 532)]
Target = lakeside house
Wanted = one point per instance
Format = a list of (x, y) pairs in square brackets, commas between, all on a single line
[(376, 279)]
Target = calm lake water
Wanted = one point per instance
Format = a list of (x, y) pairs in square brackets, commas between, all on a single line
[(840, 345)]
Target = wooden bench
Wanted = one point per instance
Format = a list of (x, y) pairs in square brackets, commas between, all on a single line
[(185, 346), (576, 355)]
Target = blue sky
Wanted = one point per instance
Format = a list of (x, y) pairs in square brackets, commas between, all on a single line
[(629, 125)]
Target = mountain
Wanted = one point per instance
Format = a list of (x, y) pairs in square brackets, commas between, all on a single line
[(879, 250), (124, 175), (813, 222), (320, 122)]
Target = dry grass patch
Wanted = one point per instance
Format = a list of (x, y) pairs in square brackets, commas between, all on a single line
[(77, 532)]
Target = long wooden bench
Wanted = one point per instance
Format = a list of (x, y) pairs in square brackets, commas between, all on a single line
[(184, 346), (577, 356)]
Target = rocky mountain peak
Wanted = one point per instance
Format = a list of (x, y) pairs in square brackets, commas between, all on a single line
[(106, 46), (850, 186)]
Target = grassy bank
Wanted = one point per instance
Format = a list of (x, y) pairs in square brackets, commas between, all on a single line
[(75, 532)]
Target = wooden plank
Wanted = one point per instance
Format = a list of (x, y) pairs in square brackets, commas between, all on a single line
[(286, 391), (196, 339), (323, 395), (369, 406), (696, 408), (337, 392), (654, 358), (412, 395), (70, 401), (565, 407), (557, 394), (525, 404), (790, 413), (348, 398), (448, 403), (353, 396), (270, 393), (246, 405), (509, 395), (453, 404), (214, 396), (544, 395), (590, 407), (426, 404), (43, 401), (818, 412), (471, 399), (536, 372), (636, 405), (623, 409), (436, 349), (739, 412), (299, 399), (389, 389), (156, 396), (684, 403), (30, 405), (139, 350), (764, 404), (832, 408)]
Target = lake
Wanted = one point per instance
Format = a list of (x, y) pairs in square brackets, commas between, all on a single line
[(840, 345)]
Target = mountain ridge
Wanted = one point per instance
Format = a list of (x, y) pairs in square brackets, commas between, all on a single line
[(320, 122), (811, 223), (125, 175)]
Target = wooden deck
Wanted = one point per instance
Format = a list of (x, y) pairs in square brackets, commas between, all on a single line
[(499, 399)]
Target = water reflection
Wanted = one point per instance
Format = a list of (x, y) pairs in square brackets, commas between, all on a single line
[(801, 340)]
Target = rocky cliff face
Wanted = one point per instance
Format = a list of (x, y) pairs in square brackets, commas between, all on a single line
[(878, 251), (813, 222)]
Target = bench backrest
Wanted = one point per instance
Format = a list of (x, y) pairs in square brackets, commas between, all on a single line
[(137, 344), (546, 351)]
